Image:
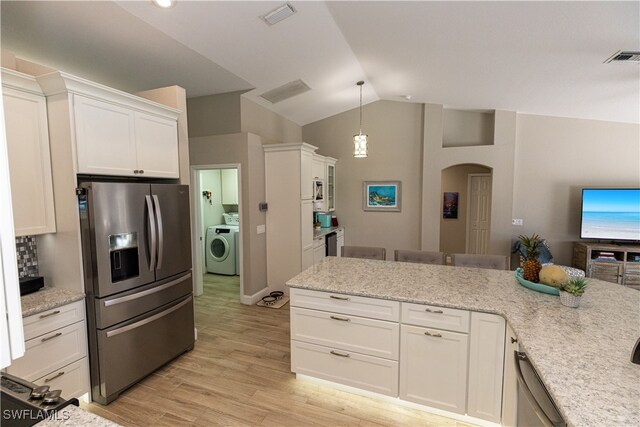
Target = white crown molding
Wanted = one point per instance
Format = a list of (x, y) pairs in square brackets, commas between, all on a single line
[(59, 83), (20, 81), (289, 146)]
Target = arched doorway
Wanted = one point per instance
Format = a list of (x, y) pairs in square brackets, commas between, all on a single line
[(466, 208)]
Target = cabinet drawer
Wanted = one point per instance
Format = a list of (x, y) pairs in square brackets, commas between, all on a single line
[(72, 379), (431, 316), (352, 369), (49, 352), (346, 304), (367, 336), (49, 320)]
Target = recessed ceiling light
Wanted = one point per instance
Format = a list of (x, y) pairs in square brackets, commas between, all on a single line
[(165, 4)]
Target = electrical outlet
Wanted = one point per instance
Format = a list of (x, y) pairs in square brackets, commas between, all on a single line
[(261, 229), (517, 221)]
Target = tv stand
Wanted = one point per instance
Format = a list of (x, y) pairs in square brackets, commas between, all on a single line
[(609, 262)]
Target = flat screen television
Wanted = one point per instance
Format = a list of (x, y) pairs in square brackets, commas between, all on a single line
[(610, 214)]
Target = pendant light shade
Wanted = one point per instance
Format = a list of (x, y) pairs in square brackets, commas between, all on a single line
[(360, 140)]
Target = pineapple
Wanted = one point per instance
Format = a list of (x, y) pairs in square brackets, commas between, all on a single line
[(531, 266)]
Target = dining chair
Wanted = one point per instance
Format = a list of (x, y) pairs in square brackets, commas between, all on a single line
[(367, 252), (421, 257), (496, 262)]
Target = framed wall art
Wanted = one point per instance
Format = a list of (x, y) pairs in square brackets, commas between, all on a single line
[(450, 205), (384, 196)]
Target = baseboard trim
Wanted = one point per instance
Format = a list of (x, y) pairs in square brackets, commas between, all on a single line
[(252, 299)]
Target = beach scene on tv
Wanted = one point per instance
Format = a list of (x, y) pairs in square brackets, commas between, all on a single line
[(611, 214)]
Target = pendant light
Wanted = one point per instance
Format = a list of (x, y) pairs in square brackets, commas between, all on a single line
[(360, 140)]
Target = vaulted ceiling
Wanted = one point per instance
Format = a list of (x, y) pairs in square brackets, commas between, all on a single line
[(533, 57)]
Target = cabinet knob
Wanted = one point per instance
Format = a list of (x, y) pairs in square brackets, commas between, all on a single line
[(141, 171), (136, 171)]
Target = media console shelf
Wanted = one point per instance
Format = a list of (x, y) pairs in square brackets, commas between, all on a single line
[(611, 263)]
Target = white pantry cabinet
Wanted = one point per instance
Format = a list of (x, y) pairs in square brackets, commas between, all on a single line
[(25, 113), (288, 169), (112, 132)]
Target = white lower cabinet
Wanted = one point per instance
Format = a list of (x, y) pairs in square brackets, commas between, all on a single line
[(56, 350), (443, 358), (433, 367), (486, 363), (344, 367)]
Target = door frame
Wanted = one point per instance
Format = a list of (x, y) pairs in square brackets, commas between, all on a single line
[(197, 240), (467, 227)]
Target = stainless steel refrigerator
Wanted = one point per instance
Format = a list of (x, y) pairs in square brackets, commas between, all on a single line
[(137, 267)]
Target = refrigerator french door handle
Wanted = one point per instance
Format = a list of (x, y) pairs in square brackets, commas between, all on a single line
[(152, 231), (160, 230), (544, 418)]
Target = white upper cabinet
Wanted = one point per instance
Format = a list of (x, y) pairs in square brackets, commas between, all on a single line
[(330, 178), (229, 184), (116, 133), (306, 175), (25, 113), (318, 171), (105, 137), (157, 146)]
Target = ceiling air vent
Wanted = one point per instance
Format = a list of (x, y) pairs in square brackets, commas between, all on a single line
[(279, 14), (624, 56), (286, 91)]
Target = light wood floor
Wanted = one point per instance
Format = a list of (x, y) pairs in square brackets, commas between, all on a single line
[(239, 375)]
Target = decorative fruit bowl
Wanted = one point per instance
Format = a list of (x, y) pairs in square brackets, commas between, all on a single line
[(538, 287)]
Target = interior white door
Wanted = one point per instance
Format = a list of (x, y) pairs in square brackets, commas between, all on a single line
[(479, 213)]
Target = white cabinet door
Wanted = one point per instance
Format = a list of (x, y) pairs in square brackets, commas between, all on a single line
[(510, 382), (29, 162), (433, 368), (331, 185), (156, 146), (229, 178), (486, 363), (318, 167), (105, 138), (306, 175), (306, 224), (319, 252)]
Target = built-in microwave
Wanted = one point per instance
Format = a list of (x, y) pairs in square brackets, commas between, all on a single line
[(318, 189)]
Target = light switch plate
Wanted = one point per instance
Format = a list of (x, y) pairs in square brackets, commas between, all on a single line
[(517, 221), (261, 229)]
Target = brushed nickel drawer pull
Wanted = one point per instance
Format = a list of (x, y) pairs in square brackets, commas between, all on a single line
[(428, 310), (340, 298), (342, 319), (335, 353), (51, 337), (42, 316), (59, 374), (433, 335)]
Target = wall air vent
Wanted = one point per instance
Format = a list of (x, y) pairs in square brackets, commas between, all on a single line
[(279, 14), (624, 56), (286, 91)]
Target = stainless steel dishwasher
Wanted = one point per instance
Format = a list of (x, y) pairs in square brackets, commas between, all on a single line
[(535, 405), (332, 244)]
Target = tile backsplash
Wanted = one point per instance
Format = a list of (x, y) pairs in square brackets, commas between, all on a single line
[(27, 254)]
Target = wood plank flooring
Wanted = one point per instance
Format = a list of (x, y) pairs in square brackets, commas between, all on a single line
[(238, 374)]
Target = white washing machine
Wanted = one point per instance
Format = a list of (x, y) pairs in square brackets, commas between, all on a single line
[(220, 249)]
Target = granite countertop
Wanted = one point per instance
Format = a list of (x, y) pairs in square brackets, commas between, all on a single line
[(74, 416), (48, 298), (582, 355), (318, 232)]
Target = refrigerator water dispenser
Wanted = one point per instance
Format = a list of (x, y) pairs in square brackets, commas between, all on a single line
[(123, 252)]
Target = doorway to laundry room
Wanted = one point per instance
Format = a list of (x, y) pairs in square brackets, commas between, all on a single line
[(218, 244)]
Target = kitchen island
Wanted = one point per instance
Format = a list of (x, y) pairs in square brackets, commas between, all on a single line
[(582, 355)]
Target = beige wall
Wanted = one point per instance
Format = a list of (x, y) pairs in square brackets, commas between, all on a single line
[(555, 158), (464, 128), (453, 232), (214, 114), (241, 148), (395, 153), (270, 126)]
